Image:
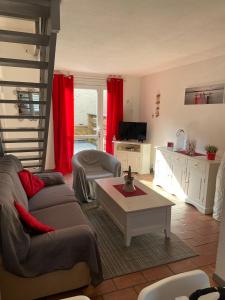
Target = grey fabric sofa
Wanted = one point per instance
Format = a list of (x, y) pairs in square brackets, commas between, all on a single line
[(44, 264), (89, 165)]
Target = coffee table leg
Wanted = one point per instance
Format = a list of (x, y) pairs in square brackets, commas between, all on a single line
[(168, 223), (127, 240), (167, 233)]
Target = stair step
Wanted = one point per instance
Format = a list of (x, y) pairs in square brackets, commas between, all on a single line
[(23, 9), (24, 38), (37, 171), (21, 102), (22, 117), (21, 63), (40, 2), (23, 140), (20, 129), (31, 157), (23, 84), (31, 165), (29, 149)]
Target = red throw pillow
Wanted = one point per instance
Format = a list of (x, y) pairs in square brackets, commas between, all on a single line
[(31, 221), (31, 183)]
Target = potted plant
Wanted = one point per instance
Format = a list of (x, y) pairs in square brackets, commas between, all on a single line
[(211, 152)]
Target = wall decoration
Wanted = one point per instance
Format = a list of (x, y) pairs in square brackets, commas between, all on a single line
[(210, 94), (157, 106)]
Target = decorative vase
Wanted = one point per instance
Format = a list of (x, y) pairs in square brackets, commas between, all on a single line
[(211, 156), (129, 182)]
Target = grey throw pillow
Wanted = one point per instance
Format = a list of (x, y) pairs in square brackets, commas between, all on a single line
[(51, 178)]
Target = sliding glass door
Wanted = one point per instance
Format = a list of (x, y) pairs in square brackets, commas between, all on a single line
[(90, 106)]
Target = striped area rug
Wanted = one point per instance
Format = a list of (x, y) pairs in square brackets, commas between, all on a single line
[(146, 251)]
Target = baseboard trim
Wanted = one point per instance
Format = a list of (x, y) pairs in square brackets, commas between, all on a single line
[(218, 280)]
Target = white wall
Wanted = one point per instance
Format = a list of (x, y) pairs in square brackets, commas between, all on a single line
[(205, 123), (131, 98)]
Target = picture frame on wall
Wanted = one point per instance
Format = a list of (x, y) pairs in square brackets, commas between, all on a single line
[(207, 94)]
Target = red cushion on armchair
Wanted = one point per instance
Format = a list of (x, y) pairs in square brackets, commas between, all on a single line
[(31, 183), (31, 221)]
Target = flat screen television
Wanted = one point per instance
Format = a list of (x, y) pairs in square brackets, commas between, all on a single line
[(132, 131)]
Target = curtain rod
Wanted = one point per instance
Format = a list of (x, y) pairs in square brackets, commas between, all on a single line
[(91, 76)]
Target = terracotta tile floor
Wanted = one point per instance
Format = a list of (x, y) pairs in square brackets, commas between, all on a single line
[(200, 232)]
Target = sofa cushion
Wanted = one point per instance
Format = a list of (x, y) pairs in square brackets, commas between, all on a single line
[(33, 224), (62, 216), (51, 196), (32, 184)]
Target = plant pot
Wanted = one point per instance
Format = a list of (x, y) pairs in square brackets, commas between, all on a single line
[(211, 156)]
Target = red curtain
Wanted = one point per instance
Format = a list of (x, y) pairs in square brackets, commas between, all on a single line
[(114, 110), (63, 122)]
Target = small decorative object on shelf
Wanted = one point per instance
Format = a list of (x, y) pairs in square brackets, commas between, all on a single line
[(190, 147), (180, 139), (129, 182), (170, 146), (211, 152)]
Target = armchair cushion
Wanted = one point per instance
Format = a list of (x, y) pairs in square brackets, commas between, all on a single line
[(97, 173)]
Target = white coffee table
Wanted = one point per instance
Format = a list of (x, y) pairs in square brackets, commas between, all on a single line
[(135, 215)]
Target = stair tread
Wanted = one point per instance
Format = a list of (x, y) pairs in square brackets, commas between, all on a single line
[(22, 117), (25, 149), (23, 9), (21, 102), (30, 165), (23, 84), (31, 157), (23, 140), (21, 129), (24, 38), (21, 63)]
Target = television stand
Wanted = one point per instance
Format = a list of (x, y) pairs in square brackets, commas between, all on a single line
[(134, 154)]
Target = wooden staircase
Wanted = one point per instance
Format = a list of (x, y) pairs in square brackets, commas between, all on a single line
[(14, 138)]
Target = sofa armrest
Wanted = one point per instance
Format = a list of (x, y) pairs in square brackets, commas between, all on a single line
[(51, 178), (63, 248)]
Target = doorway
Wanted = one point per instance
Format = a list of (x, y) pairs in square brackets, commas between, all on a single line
[(90, 104)]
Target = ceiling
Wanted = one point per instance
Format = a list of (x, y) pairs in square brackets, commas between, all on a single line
[(138, 37)]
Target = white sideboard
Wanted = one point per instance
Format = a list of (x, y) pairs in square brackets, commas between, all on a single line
[(192, 179), (134, 154)]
